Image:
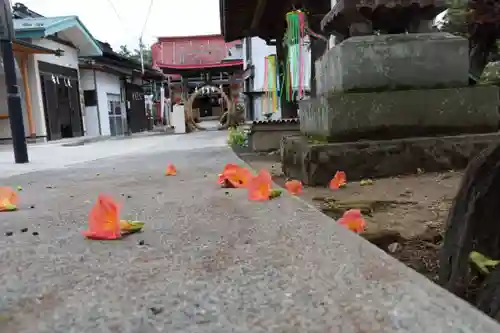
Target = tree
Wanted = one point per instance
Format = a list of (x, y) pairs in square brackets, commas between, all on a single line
[(136, 53)]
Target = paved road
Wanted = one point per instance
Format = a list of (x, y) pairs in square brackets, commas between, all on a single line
[(211, 260), (58, 155)]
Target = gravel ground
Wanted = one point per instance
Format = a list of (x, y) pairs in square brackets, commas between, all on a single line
[(208, 260)]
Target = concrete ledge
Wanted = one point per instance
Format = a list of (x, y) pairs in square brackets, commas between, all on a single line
[(400, 114), (315, 164), (211, 262)]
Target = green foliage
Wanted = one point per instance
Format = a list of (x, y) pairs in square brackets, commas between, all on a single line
[(491, 73), (136, 54), (237, 137)]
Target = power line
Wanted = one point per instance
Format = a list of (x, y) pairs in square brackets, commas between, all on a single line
[(118, 16), (147, 18)]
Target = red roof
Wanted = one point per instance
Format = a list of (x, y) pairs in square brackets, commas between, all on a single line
[(191, 51)]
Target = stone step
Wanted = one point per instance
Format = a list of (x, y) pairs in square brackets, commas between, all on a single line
[(315, 163), (399, 114)]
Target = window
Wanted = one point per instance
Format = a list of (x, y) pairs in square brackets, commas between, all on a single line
[(90, 97)]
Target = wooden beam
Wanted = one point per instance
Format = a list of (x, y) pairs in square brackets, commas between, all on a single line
[(257, 14), (27, 95)]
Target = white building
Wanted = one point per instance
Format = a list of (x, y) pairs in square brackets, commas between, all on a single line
[(114, 99), (50, 75)]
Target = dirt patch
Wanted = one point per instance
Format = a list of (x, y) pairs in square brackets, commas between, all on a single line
[(408, 215)]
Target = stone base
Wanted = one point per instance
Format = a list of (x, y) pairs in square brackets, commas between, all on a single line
[(401, 114), (389, 62), (315, 164), (266, 136)]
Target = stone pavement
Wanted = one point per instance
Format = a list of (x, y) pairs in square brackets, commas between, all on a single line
[(208, 260)]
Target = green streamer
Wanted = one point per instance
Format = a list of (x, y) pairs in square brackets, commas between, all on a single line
[(292, 40)]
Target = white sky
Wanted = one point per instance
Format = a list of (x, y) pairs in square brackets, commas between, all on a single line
[(167, 18)]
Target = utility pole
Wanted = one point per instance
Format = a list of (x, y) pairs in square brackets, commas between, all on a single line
[(13, 97), (141, 50)]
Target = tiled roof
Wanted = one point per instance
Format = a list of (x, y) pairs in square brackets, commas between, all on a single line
[(277, 121)]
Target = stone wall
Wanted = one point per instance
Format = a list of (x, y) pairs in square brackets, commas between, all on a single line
[(398, 114), (315, 164)]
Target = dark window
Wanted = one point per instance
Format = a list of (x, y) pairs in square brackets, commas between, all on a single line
[(90, 97)]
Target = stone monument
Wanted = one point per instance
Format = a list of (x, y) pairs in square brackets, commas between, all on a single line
[(392, 97)]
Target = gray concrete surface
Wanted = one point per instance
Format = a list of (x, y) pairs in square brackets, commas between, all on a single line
[(212, 261), (57, 155), (394, 62)]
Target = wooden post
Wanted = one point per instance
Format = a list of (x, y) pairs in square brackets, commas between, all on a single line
[(288, 108), (27, 94)]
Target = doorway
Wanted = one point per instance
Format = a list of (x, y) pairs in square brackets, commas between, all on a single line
[(136, 108), (61, 101), (115, 112)]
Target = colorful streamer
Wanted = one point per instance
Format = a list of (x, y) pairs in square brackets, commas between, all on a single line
[(293, 75), (270, 100), (294, 40)]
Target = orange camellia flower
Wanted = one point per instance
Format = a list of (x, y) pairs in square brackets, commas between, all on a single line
[(234, 176), (338, 181), (8, 199), (104, 221), (170, 170), (353, 220), (294, 187), (259, 188)]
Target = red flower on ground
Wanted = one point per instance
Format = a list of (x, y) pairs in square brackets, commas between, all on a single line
[(259, 188), (338, 181), (294, 187), (234, 176), (104, 220), (353, 220)]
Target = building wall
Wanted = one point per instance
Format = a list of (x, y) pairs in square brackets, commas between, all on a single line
[(106, 84), (5, 132), (260, 50), (91, 117), (190, 50), (260, 108), (69, 59)]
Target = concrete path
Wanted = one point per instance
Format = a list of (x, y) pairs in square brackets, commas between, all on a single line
[(57, 155), (208, 260)]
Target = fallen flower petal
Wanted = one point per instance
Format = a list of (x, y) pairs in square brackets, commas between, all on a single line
[(353, 220), (338, 181), (8, 199), (104, 221), (170, 170), (294, 187), (259, 188), (234, 176)]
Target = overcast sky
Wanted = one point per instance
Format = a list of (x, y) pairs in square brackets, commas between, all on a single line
[(167, 18)]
